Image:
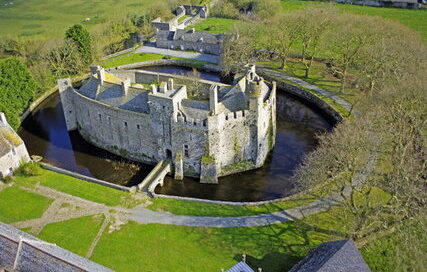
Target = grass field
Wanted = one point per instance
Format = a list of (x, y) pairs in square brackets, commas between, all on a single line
[(77, 187), (415, 19), (205, 209), (215, 25), (154, 247), (76, 235), (132, 58), (18, 205), (50, 18)]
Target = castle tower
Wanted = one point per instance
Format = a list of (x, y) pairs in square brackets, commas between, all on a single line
[(66, 94)]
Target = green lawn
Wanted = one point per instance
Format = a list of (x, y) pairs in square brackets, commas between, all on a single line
[(132, 58), (415, 19), (46, 19), (160, 248), (75, 235), (77, 187), (17, 205), (215, 25), (381, 253), (205, 209)]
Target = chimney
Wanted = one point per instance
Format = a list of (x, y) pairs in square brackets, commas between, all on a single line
[(3, 118), (125, 86), (213, 99), (163, 87), (101, 75), (154, 88), (170, 84)]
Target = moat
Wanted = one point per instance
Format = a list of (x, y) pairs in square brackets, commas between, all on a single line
[(45, 134)]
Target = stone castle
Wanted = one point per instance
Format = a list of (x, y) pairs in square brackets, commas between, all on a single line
[(204, 129)]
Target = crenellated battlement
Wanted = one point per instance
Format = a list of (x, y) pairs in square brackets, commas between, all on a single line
[(150, 118)]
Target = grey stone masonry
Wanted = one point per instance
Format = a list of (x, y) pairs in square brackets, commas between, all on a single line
[(25, 253), (12, 149), (190, 40), (205, 131)]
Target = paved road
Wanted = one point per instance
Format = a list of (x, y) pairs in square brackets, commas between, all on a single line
[(145, 216), (180, 54)]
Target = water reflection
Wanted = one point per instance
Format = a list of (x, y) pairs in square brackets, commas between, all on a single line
[(46, 135), (297, 125)]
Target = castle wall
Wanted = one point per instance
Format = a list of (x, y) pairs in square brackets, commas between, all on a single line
[(122, 132)]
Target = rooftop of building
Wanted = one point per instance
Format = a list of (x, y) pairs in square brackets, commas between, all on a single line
[(230, 98), (339, 255), (190, 36)]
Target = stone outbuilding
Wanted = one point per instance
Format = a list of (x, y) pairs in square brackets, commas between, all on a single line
[(12, 149), (192, 40)]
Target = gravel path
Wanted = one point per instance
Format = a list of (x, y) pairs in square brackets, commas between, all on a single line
[(315, 88), (145, 216), (179, 54)]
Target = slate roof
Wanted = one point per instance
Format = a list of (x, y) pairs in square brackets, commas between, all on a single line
[(190, 36), (240, 267), (8, 139), (336, 256), (112, 94)]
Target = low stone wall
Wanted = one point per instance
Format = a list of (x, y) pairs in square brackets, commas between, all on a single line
[(184, 63), (23, 252), (86, 178)]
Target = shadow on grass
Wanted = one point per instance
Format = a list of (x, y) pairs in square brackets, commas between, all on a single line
[(276, 247)]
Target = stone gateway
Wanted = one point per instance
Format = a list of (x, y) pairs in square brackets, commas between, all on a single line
[(204, 130)]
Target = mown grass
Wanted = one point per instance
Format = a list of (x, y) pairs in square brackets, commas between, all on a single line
[(17, 205), (77, 187), (181, 207), (215, 25), (134, 57), (414, 19), (47, 19), (380, 254), (159, 248), (75, 235), (274, 248)]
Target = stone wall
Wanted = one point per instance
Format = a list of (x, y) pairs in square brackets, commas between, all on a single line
[(173, 127), (14, 149), (23, 252), (201, 47)]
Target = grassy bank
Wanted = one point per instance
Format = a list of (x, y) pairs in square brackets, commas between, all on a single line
[(77, 187)]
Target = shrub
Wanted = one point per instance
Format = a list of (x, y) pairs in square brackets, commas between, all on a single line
[(29, 169)]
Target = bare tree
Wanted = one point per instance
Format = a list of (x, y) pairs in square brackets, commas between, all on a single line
[(314, 23), (346, 43)]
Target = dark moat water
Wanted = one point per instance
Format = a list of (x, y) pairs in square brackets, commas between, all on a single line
[(45, 134)]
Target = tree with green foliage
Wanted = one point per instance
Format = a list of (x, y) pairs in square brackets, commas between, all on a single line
[(17, 89), (82, 39)]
